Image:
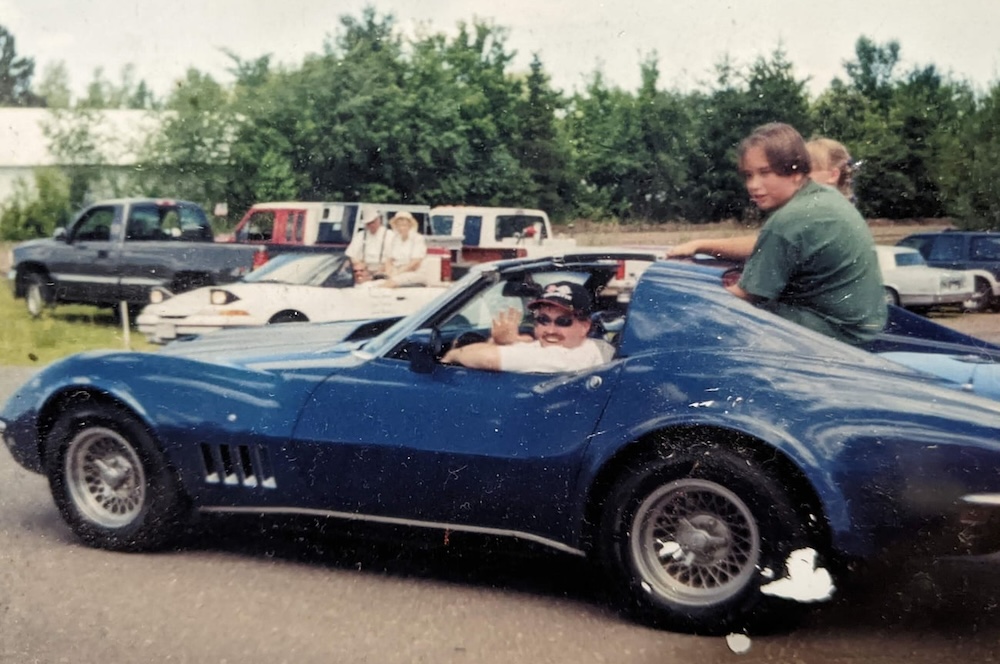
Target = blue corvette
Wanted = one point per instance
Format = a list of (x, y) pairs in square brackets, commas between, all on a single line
[(717, 450)]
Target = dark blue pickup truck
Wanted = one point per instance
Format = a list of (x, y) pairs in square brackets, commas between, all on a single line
[(118, 250)]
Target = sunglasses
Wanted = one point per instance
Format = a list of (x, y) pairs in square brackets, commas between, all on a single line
[(560, 321)]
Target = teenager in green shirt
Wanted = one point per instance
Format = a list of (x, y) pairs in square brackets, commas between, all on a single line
[(813, 261)]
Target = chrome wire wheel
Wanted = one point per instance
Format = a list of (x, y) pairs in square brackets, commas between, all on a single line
[(105, 477), (694, 543)]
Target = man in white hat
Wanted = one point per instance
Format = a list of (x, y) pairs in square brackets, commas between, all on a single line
[(369, 246)]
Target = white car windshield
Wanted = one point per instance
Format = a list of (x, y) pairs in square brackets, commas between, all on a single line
[(304, 270)]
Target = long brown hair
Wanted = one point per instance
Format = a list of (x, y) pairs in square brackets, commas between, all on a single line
[(783, 146)]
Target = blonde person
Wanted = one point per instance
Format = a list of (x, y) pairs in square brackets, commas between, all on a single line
[(813, 261), (404, 254), (831, 165)]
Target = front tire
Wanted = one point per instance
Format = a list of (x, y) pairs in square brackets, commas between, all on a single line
[(109, 480), (687, 540)]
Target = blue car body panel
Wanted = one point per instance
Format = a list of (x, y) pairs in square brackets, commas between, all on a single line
[(334, 426)]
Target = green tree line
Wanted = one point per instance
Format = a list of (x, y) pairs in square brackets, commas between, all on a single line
[(381, 116)]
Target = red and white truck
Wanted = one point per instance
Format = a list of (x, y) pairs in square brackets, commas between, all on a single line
[(308, 226), (457, 236)]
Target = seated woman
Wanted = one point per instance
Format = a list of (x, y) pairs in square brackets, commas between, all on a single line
[(404, 254)]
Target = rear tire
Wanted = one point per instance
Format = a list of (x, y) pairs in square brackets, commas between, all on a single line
[(110, 481), (687, 540)]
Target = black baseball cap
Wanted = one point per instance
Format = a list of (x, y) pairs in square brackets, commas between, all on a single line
[(565, 295)]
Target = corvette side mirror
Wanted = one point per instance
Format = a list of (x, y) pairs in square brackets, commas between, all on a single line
[(423, 348)]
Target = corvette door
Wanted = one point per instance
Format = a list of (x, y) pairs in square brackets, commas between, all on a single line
[(457, 445)]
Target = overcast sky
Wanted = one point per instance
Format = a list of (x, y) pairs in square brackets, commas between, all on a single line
[(573, 37)]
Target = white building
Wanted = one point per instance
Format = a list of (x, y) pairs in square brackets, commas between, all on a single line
[(118, 136)]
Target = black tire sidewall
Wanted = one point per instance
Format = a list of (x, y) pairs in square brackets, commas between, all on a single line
[(780, 529), (288, 317), (163, 507)]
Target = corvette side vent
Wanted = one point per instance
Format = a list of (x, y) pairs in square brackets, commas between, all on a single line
[(238, 465)]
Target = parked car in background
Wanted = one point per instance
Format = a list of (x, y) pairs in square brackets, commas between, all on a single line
[(977, 251), (119, 250), (716, 467), (911, 283), (289, 288)]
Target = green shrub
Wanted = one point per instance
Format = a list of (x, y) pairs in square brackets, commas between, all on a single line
[(33, 212)]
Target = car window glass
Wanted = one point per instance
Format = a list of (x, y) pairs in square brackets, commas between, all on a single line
[(512, 292), (947, 248), (473, 230), (907, 258), (986, 248), (442, 224), (143, 223), (170, 224), (515, 224), (96, 225), (259, 227), (308, 270), (920, 243), (479, 312)]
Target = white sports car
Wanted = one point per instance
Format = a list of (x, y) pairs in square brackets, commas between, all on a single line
[(288, 288)]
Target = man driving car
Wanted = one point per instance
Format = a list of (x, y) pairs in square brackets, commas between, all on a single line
[(561, 317)]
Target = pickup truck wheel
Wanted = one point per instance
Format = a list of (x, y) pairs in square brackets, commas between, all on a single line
[(37, 294), (110, 481), (689, 541)]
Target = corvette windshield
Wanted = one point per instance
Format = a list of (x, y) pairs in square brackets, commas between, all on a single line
[(307, 270)]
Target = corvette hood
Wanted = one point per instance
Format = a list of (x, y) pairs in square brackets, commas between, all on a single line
[(266, 345)]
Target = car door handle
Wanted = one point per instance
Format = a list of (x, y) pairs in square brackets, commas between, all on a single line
[(103, 253)]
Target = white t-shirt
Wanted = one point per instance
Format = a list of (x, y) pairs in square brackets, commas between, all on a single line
[(401, 252), (532, 357), (370, 248)]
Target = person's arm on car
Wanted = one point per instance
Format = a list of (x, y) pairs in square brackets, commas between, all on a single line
[(483, 355), (728, 248)]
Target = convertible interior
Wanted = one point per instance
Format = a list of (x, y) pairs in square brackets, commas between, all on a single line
[(471, 319)]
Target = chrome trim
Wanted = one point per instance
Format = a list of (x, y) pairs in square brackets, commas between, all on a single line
[(352, 516), (990, 499)]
